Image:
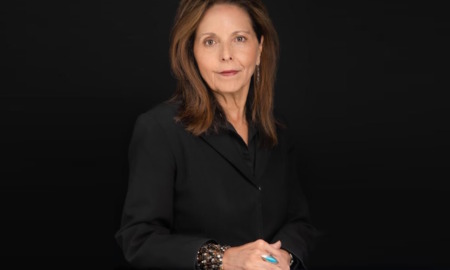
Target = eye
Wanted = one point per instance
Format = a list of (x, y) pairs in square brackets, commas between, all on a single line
[(209, 42), (241, 39)]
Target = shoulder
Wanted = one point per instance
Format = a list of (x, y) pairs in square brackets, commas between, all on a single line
[(162, 115), (158, 120), (163, 112), (157, 126)]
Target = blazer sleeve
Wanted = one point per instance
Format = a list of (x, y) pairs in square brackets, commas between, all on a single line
[(297, 235), (145, 235)]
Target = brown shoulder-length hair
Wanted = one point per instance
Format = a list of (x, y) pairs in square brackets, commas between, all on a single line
[(198, 104)]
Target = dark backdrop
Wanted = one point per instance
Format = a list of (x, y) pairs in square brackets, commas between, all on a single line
[(362, 83)]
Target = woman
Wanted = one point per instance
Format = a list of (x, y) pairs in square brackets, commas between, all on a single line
[(212, 183)]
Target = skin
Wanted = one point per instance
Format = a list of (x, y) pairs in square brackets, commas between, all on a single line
[(225, 41), (248, 256)]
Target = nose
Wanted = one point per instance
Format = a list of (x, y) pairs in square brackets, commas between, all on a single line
[(226, 54)]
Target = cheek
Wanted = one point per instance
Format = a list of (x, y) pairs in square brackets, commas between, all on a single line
[(249, 57), (205, 67), (202, 62)]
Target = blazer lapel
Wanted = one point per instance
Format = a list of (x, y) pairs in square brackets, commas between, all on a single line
[(225, 147)]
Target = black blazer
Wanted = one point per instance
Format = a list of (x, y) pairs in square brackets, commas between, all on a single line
[(186, 190)]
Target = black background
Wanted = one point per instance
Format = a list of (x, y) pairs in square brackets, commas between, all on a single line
[(362, 83)]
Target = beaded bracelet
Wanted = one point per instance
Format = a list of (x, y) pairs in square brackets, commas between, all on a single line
[(210, 256)]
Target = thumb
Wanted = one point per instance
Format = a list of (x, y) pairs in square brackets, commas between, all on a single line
[(276, 245)]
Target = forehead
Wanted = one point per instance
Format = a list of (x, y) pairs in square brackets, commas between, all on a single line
[(225, 17)]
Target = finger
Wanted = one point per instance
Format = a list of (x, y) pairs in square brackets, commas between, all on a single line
[(282, 257), (280, 261), (264, 248), (269, 258), (261, 264), (269, 266), (273, 248), (276, 245)]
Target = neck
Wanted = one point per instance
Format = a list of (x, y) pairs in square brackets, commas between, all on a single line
[(234, 108)]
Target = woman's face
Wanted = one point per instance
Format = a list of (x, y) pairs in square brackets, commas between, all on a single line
[(226, 49)]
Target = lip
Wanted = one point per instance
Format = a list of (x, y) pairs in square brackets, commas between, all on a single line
[(228, 72)]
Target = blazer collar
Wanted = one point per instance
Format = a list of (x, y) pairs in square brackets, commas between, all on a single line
[(224, 146)]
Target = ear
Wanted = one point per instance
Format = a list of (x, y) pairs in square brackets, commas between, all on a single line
[(260, 47)]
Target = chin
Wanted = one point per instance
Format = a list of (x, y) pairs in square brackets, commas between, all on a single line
[(228, 89)]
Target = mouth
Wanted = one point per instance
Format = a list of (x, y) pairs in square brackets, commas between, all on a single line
[(228, 72)]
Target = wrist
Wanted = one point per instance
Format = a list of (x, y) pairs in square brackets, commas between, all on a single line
[(289, 257), (227, 262)]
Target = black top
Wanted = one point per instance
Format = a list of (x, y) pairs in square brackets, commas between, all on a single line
[(186, 190), (247, 151)]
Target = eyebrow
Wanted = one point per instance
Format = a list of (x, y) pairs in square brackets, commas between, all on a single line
[(234, 33)]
